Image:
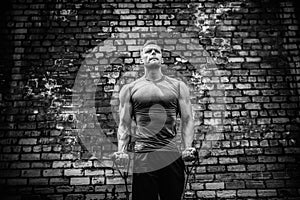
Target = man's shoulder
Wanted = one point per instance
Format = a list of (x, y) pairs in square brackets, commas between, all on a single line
[(129, 86), (174, 80)]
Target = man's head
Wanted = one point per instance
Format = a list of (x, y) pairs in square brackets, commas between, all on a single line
[(151, 54)]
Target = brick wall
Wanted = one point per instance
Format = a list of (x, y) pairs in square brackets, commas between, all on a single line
[(63, 63)]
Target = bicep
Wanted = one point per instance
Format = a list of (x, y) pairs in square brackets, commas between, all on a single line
[(125, 107)]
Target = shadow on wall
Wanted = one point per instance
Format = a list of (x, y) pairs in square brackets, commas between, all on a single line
[(54, 47), (6, 51), (297, 7)]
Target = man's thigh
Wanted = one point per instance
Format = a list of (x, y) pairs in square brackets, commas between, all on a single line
[(167, 181), (171, 184), (145, 186)]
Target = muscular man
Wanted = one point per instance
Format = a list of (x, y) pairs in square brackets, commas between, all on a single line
[(153, 103)]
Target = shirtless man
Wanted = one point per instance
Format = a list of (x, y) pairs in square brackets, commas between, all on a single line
[(153, 102)]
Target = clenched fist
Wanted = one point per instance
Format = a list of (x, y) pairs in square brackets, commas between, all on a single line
[(189, 154), (121, 158)]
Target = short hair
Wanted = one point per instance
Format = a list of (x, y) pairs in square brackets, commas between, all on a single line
[(153, 42)]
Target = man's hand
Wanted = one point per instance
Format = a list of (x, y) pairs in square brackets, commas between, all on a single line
[(121, 158), (189, 154)]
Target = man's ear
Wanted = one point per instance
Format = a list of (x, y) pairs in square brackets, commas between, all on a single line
[(141, 57)]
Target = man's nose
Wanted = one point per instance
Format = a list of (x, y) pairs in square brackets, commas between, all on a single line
[(153, 51)]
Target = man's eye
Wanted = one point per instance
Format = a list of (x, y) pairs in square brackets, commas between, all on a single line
[(150, 50)]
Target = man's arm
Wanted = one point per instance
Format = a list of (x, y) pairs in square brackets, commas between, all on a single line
[(186, 116), (124, 129)]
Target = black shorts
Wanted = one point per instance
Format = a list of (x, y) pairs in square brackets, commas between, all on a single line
[(166, 183)]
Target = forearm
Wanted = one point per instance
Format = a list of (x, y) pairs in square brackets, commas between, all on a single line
[(187, 132), (123, 137), (186, 116)]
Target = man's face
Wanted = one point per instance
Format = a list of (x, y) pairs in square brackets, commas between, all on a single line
[(151, 55)]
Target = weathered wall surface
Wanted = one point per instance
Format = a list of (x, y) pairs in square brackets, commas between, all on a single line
[(63, 63)]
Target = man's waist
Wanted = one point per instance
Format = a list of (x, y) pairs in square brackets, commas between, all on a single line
[(149, 145)]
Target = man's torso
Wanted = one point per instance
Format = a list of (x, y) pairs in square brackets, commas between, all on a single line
[(155, 105)]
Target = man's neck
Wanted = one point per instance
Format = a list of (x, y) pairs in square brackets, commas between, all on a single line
[(153, 74)]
